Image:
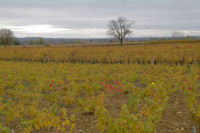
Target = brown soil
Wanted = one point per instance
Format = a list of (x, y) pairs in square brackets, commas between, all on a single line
[(114, 103), (86, 123), (176, 117)]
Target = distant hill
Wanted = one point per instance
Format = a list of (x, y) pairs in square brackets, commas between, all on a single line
[(26, 40)]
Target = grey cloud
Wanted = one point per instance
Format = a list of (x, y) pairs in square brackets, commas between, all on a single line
[(94, 14)]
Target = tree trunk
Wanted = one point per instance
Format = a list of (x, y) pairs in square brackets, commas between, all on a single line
[(121, 42)]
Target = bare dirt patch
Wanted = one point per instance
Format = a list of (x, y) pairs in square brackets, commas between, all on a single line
[(176, 118), (85, 123), (114, 103)]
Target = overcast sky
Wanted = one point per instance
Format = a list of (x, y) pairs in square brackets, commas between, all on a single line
[(89, 18)]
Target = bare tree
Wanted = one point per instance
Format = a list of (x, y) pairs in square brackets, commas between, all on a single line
[(177, 34), (120, 28), (6, 37)]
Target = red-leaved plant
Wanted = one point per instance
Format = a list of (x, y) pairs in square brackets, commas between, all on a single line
[(51, 83), (114, 86)]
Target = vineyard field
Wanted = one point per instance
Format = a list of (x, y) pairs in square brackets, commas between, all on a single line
[(53, 97), (139, 54), (99, 66)]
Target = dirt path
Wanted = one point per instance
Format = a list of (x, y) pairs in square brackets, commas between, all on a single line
[(176, 117)]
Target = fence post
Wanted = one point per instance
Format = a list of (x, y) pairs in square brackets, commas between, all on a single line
[(193, 129), (153, 61)]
